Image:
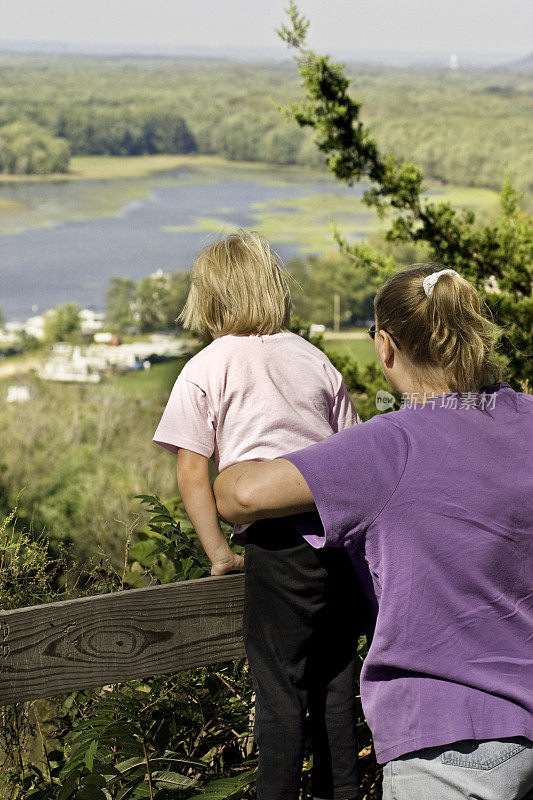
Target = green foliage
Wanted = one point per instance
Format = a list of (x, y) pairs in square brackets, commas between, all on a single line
[(125, 129), (165, 548), (461, 127), (158, 300), (317, 279), (150, 304), (30, 149), (120, 300), (497, 256), (168, 547), (295, 32), (119, 746), (83, 452), (27, 576), (158, 738), (229, 788), (62, 323)]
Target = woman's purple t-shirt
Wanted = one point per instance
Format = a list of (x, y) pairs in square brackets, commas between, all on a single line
[(435, 502)]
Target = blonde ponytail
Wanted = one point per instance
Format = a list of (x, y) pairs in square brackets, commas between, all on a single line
[(445, 333)]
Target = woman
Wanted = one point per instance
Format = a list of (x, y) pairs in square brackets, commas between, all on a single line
[(435, 501)]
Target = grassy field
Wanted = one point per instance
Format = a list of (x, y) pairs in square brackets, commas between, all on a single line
[(150, 385), (118, 167), (355, 343), (104, 168)]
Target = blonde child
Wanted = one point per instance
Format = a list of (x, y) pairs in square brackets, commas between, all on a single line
[(257, 392)]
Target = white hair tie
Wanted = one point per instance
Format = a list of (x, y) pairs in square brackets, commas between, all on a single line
[(430, 280)]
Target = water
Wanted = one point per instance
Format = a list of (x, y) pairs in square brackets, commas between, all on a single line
[(75, 260)]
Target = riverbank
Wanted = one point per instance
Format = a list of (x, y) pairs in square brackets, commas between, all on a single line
[(105, 186), (118, 167)]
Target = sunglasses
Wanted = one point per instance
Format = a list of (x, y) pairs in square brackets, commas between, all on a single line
[(372, 333)]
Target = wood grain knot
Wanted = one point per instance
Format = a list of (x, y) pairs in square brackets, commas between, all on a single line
[(103, 641)]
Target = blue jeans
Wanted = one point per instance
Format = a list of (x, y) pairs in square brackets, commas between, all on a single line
[(480, 770)]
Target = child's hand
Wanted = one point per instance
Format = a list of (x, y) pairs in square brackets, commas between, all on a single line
[(234, 563)]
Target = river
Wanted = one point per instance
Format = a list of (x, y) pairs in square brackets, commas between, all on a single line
[(58, 254)]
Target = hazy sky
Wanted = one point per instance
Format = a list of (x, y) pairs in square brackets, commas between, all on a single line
[(470, 26)]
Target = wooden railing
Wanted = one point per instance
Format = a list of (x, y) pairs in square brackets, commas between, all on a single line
[(60, 647)]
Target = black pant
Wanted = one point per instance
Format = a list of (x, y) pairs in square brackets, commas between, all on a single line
[(300, 633)]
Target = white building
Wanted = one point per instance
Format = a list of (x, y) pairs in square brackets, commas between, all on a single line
[(34, 326), (91, 321), (10, 333), (18, 394), (68, 364), (88, 364)]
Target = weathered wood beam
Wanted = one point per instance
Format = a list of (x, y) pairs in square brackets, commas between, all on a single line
[(57, 648)]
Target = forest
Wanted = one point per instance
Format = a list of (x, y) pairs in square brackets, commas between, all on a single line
[(466, 127)]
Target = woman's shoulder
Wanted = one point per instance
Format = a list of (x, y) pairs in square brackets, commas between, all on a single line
[(382, 433)]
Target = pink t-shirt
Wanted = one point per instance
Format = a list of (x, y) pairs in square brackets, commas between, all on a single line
[(255, 397)]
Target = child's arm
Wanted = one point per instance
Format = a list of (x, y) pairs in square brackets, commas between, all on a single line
[(197, 495)]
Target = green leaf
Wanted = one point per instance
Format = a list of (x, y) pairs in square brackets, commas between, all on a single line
[(197, 572), (228, 788), (143, 551), (172, 779), (140, 793), (130, 763), (104, 769), (148, 498), (93, 780), (133, 778), (68, 701), (90, 793), (176, 758), (69, 785), (90, 754), (124, 793)]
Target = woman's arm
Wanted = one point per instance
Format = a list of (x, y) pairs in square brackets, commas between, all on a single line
[(197, 496), (253, 490)]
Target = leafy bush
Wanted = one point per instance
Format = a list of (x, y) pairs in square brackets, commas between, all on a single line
[(30, 149), (62, 323)]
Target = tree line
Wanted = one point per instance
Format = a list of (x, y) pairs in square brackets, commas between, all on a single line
[(469, 128)]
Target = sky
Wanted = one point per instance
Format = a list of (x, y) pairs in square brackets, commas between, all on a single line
[(337, 26)]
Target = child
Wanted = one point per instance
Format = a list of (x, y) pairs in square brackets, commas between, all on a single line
[(259, 391)]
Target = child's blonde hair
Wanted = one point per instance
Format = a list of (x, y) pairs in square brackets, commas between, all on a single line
[(238, 286), (446, 333)]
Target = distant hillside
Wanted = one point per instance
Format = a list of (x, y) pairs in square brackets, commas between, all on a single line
[(454, 123), (525, 63)]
